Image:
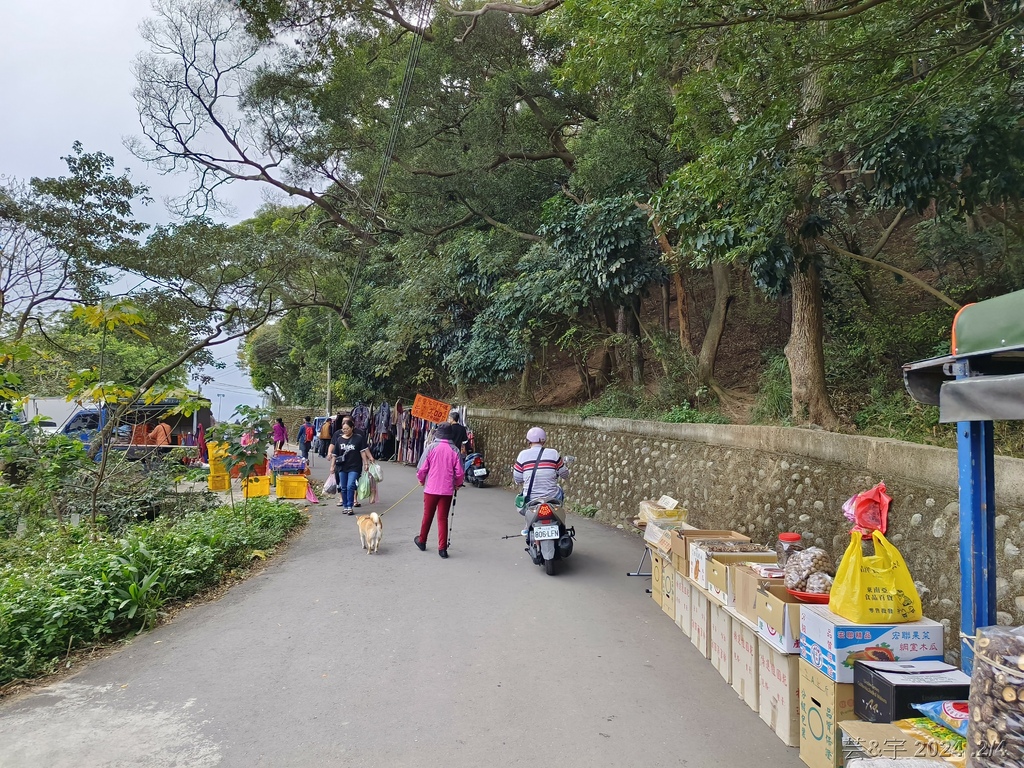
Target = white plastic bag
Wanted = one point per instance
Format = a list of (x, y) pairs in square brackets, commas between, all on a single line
[(331, 485)]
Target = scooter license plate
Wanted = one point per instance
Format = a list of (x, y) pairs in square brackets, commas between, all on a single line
[(542, 532), (480, 473)]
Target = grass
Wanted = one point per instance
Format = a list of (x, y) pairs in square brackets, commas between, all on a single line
[(66, 588)]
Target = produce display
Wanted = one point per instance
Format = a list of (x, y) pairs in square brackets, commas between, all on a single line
[(995, 735), (802, 566)]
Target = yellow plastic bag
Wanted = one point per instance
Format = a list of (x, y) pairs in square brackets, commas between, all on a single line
[(876, 589)]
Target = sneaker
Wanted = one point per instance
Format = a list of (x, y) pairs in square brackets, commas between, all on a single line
[(443, 553), (420, 544), (524, 531)]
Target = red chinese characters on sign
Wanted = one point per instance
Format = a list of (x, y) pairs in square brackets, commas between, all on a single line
[(431, 410)]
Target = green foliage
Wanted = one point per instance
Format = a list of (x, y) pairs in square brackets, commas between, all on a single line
[(620, 402), (583, 510), (890, 412), (247, 440), (685, 414), (774, 397), (62, 589)]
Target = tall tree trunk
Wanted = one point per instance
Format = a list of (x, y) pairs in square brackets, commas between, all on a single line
[(525, 391), (611, 320), (805, 348), (716, 325), (666, 299), (623, 352), (636, 351), (805, 352), (682, 312)]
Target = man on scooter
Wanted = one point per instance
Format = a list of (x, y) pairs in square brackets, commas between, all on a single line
[(540, 467)]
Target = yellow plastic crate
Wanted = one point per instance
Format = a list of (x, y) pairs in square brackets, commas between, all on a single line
[(218, 482), (218, 458), (256, 486), (291, 486)]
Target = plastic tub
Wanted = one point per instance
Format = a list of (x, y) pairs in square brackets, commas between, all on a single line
[(218, 482), (256, 486), (291, 486)]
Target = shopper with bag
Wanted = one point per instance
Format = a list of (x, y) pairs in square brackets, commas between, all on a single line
[(350, 457), (306, 435), (440, 474)]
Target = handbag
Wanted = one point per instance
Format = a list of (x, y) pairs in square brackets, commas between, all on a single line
[(876, 589), (522, 499)]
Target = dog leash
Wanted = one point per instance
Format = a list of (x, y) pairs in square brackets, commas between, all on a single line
[(400, 500)]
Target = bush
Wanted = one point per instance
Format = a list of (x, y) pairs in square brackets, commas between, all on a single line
[(774, 395), (62, 589), (684, 414)]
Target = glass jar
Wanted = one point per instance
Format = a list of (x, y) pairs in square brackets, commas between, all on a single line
[(788, 544)]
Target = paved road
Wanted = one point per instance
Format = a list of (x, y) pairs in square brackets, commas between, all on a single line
[(330, 657)]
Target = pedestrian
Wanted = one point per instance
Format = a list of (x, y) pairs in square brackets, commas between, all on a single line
[(326, 433), (306, 435), (279, 434), (459, 434), (440, 474), (161, 434), (350, 458)]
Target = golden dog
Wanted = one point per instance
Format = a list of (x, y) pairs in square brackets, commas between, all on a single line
[(371, 531)]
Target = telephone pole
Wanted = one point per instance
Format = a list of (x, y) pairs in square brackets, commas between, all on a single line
[(329, 337)]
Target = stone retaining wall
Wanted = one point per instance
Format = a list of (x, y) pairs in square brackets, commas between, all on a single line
[(765, 480)]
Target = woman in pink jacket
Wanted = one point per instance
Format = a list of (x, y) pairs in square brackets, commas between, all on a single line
[(440, 474)]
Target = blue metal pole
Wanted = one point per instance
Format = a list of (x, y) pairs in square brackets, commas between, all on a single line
[(977, 532)]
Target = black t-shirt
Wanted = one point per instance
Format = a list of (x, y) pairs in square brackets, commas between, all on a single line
[(348, 450), (459, 435)]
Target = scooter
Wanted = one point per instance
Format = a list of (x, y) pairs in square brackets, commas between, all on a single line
[(548, 538), (476, 470)]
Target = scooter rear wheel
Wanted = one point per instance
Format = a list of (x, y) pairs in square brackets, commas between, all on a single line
[(549, 567)]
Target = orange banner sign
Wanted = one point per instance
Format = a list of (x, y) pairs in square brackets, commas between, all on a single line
[(431, 410)]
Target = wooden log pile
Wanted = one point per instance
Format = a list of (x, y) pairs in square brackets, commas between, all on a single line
[(995, 736)]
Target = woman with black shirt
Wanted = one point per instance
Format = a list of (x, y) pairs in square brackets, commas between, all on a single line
[(351, 457)]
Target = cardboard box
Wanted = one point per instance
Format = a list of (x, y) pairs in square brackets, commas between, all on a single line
[(823, 704), (682, 602), (668, 589), (832, 644), (657, 572), (682, 539), (744, 663), (779, 692), (778, 619), (721, 641), (700, 555), (745, 584), (720, 569), (885, 690), (700, 622), (659, 537)]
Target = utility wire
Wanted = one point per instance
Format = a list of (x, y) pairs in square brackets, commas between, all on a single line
[(396, 124)]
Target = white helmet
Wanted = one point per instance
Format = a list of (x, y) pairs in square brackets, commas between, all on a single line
[(536, 435)]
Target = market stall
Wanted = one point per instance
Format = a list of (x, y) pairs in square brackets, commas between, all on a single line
[(980, 382)]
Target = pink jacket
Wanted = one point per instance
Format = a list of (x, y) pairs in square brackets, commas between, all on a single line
[(442, 470)]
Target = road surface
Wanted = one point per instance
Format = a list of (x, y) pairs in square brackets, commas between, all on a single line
[(331, 657)]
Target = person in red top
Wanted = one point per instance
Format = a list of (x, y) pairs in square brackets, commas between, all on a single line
[(440, 474)]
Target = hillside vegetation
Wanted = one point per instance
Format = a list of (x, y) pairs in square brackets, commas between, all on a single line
[(691, 212)]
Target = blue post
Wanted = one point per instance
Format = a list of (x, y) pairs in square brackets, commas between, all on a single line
[(977, 532)]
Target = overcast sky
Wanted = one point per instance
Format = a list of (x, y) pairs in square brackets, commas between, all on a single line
[(66, 68)]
